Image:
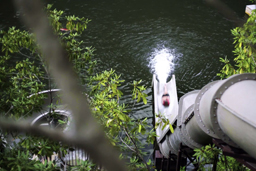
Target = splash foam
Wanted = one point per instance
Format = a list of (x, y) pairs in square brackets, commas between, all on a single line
[(161, 64)]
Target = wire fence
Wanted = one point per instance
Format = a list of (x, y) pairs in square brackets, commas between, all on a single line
[(75, 157)]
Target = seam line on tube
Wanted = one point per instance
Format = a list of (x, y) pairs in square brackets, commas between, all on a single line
[(234, 113)]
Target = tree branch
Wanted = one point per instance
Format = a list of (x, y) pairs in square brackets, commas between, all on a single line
[(87, 134), (136, 148)]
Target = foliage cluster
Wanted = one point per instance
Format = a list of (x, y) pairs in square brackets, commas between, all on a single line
[(29, 75), (17, 159), (208, 154), (245, 56), (163, 122), (245, 52)]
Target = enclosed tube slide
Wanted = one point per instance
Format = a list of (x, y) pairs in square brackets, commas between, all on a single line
[(224, 109)]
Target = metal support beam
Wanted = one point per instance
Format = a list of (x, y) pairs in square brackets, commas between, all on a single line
[(216, 157), (239, 154), (162, 163), (168, 161), (179, 158)]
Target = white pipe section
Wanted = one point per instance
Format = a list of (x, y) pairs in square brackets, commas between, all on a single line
[(236, 114)]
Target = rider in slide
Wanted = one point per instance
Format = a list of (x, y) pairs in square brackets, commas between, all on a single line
[(165, 97)]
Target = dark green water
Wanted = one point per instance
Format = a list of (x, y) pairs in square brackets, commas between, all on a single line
[(129, 34)]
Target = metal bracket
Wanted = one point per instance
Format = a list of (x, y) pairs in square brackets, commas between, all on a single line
[(188, 118)]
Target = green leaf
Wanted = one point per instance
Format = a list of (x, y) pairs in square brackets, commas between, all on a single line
[(139, 130), (241, 71), (144, 100), (139, 96), (121, 116), (61, 122), (171, 128)]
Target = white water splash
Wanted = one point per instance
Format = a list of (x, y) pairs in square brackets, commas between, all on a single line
[(161, 64)]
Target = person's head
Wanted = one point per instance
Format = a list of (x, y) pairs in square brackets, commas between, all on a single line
[(166, 102)]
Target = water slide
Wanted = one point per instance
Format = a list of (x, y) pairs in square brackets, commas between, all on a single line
[(222, 112)]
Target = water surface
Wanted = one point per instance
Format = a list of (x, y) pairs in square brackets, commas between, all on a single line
[(134, 37)]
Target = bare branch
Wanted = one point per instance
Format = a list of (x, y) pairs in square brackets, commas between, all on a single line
[(9, 110), (127, 145), (87, 133), (25, 54), (136, 148), (56, 135)]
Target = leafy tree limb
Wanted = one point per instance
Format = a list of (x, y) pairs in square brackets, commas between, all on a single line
[(87, 133)]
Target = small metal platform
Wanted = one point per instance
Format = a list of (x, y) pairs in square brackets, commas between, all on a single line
[(249, 8)]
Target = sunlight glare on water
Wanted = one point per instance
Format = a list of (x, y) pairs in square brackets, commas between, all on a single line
[(161, 64)]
